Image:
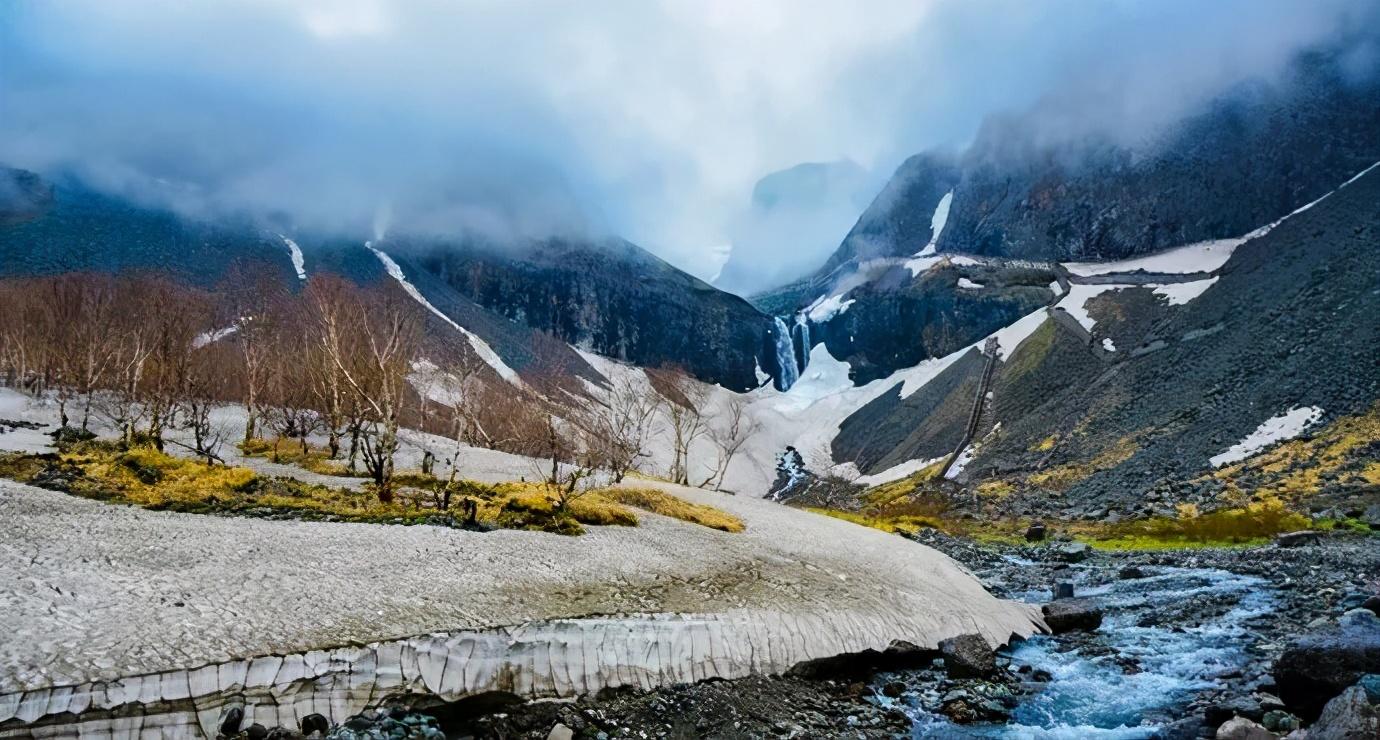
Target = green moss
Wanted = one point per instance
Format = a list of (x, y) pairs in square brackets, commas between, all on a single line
[(1031, 353)]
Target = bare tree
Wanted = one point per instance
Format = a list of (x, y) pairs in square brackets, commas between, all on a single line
[(619, 427), (729, 432), (388, 329), (570, 466), (683, 413), (82, 337), (256, 306), (207, 386)]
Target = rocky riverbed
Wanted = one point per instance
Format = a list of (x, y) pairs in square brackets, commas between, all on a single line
[(1188, 641)]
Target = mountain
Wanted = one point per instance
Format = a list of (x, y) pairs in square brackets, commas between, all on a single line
[(1106, 330), (609, 297)]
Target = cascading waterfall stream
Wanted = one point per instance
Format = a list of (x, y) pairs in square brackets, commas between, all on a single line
[(787, 370), (802, 326)]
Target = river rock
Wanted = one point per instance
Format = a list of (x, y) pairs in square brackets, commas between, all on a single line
[(1063, 590), (1297, 539), (1318, 666), (1241, 728), (1240, 706), (1067, 615), (1130, 572), (1350, 716), (968, 656), (1277, 720), (560, 732), (1373, 604), (1370, 683), (230, 721), (315, 723)]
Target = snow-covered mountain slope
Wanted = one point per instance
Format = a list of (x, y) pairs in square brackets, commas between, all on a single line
[(1127, 386)]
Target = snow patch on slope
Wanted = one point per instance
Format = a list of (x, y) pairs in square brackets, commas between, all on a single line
[(480, 346), (1181, 293), (826, 308), (1200, 257), (937, 221), (299, 263), (1075, 302), (210, 337), (895, 472), (964, 457), (1287, 425)]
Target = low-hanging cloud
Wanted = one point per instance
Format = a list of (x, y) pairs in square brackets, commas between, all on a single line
[(651, 119)]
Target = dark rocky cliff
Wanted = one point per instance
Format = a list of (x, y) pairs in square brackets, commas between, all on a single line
[(613, 298)]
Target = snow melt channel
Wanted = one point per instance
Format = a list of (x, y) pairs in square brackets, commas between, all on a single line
[(480, 346), (299, 263)]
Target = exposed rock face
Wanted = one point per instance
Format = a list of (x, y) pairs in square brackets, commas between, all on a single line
[(616, 299), (1253, 155), (1350, 716), (899, 319), (1319, 666)]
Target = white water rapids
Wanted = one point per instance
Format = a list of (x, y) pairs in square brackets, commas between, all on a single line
[(1091, 696)]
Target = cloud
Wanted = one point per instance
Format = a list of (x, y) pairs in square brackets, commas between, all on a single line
[(651, 119)]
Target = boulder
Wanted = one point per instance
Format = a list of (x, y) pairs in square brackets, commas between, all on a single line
[(1241, 728), (1373, 604), (1068, 615), (1071, 552), (230, 721), (1371, 516), (560, 732), (1239, 706), (1276, 720), (1350, 716), (1036, 533), (968, 656), (1297, 539), (1063, 590), (1318, 666), (315, 723), (1130, 572)]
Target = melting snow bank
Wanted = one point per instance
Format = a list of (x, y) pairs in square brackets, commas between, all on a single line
[(481, 347), (1288, 425), (551, 659), (793, 587)]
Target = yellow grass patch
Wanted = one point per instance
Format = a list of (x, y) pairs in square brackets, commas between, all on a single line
[(666, 504)]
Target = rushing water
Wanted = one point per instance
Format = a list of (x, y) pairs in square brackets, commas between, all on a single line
[(1090, 696), (785, 356)]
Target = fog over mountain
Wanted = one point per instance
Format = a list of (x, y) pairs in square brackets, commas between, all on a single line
[(649, 120)]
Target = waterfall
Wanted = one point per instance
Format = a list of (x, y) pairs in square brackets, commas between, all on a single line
[(802, 326), (787, 371)]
